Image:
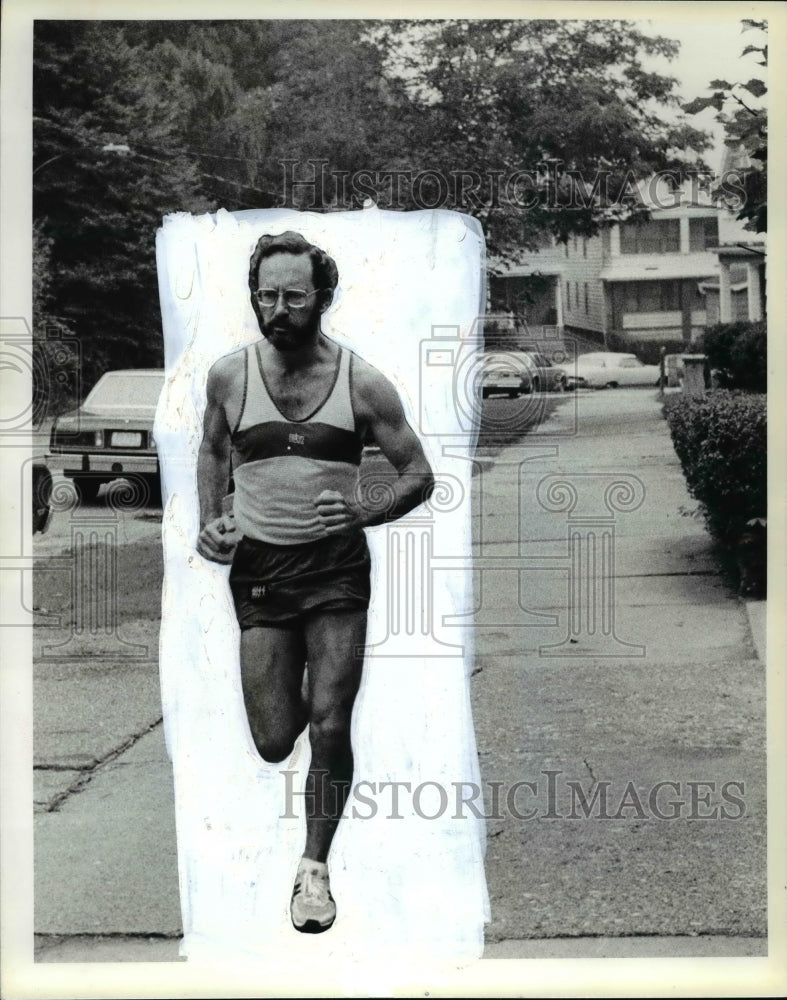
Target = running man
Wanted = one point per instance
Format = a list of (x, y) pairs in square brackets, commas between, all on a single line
[(287, 417)]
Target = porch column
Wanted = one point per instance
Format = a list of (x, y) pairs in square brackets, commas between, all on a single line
[(754, 293), (558, 301), (684, 234), (725, 293)]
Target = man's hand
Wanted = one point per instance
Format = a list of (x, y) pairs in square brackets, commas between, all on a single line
[(218, 540), (338, 516)]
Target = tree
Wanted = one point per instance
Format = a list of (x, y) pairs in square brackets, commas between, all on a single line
[(257, 101), (567, 102), (319, 96), (136, 119), (746, 125), (536, 128), (97, 199), (55, 355), (430, 113)]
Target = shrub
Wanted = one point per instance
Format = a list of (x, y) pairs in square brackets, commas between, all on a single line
[(721, 441), (739, 352)]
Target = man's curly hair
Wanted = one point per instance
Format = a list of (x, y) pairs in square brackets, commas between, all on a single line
[(325, 274)]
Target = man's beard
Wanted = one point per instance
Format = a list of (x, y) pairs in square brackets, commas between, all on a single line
[(286, 337)]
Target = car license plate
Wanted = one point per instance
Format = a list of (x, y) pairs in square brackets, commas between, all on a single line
[(126, 439)]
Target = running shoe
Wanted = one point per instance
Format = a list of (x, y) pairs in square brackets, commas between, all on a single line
[(312, 908)]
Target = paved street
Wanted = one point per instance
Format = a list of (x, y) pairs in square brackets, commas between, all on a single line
[(578, 687)]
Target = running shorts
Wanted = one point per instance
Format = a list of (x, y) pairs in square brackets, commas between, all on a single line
[(278, 585)]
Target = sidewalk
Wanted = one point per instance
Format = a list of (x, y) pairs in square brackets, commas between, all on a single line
[(690, 709), (675, 695)]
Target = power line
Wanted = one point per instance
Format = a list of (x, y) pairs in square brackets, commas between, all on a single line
[(175, 151), (143, 156)]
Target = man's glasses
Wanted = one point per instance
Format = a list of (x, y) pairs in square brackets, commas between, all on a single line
[(294, 298)]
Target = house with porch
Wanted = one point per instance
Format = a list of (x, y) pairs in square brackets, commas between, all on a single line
[(738, 293), (639, 281)]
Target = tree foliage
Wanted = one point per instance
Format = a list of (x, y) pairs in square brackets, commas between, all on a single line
[(745, 122), (96, 203), (234, 113), (56, 369), (569, 103)]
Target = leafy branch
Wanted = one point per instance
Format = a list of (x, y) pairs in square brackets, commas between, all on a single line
[(746, 129)]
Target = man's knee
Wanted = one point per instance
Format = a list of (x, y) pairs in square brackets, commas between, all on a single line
[(331, 727), (274, 751)]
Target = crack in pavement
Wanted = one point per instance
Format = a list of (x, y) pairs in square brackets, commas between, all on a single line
[(59, 767), (590, 770), (86, 774)]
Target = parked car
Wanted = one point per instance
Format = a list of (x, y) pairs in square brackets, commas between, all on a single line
[(42, 495), (609, 369), (547, 377), (110, 436), (507, 373), (509, 333)]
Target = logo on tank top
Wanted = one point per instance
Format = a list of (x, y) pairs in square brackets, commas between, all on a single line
[(297, 438)]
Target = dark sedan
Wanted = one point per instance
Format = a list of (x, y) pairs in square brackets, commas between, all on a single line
[(110, 436)]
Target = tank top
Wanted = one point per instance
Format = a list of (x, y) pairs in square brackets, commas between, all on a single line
[(280, 466)]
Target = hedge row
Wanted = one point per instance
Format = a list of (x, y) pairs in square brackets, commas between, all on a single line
[(721, 441)]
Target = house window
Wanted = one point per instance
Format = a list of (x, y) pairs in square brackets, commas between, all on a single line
[(703, 233), (651, 296), (737, 273), (584, 246), (566, 248), (654, 236), (586, 298)]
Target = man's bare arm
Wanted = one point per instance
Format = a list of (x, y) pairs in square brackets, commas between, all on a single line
[(217, 539), (213, 460), (383, 499)]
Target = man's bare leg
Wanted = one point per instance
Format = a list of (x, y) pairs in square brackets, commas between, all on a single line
[(272, 666), (334, 641)]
